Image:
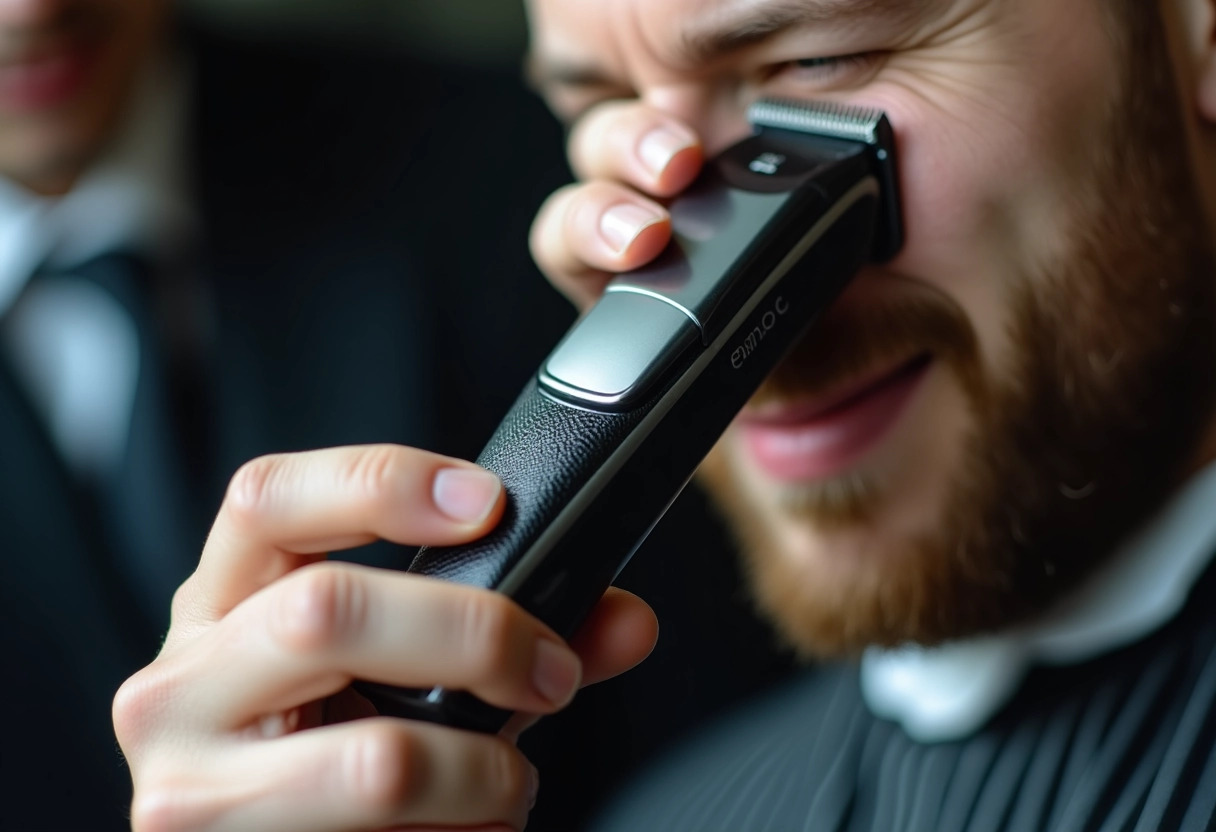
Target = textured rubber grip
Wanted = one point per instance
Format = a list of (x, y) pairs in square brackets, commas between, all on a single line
[(545, 452)]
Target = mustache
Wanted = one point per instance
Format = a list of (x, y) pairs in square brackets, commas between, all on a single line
[(852, 340), (87, 20)]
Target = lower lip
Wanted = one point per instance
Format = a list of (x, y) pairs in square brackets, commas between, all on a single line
[(827, 444), (44, 84)]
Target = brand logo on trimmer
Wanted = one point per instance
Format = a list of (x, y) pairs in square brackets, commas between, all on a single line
[(767, 163), (767, 321)]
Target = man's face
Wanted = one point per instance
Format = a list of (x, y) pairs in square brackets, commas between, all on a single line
[(66, 70), (977, 422)]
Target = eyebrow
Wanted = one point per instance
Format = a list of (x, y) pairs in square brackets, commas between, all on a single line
[(757, 22)]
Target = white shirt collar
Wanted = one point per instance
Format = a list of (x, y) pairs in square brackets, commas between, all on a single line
[(135, 196), (945, 693)]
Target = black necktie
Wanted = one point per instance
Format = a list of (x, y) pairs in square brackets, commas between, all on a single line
[(147, 501)]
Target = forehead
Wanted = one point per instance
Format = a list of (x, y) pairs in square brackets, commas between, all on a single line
[(686, 33)]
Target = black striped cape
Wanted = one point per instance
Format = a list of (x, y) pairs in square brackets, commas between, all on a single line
[(1122, 743)]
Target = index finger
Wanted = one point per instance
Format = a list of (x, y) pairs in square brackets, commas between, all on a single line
[(284, 511), (627, 141)]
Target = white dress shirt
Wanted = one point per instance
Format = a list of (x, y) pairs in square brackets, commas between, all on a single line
[(71, 345), (944, 693)]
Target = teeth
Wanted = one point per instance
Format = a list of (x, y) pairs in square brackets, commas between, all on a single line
[(799, 442)]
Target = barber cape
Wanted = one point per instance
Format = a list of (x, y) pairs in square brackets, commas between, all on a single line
[(1100, 715)]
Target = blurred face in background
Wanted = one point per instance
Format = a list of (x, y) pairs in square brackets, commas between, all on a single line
[(67, 68), (976, 424)]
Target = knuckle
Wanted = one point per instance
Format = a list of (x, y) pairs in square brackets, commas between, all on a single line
[(153, 811), (506, 773), (168, 805), (549, 216), (318, 608), (559, 198), (488, 627), (251, 490), (156, 810), (602, 121), (183, 600), (551, 242), (538, 244), (189, 610), (383, 767), (371, 472), (137, 704)]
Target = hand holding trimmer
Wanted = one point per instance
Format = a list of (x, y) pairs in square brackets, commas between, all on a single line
[(620, 414)]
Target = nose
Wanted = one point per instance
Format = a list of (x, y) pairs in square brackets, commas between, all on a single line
[(717, 114)]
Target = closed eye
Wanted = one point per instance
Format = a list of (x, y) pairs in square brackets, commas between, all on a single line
[(824, 69)]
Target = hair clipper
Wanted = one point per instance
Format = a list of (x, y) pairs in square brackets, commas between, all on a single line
[(612, 427)]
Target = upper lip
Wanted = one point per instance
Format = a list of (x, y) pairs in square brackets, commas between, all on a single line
[(800, 410)]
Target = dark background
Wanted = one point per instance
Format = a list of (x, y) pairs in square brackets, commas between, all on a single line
[(482, 32)]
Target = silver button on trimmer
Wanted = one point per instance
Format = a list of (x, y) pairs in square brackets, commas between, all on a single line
[(617, 353)]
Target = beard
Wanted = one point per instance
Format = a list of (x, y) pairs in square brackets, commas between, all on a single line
[(1079, 440)]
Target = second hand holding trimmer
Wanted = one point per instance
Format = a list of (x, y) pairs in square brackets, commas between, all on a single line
[(624, 409)]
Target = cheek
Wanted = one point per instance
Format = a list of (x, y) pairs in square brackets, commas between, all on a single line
[(994, 130), (989, 165), (963, 174), (960, 194)]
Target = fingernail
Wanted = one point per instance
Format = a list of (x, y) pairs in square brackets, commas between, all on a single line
[(660, 145), (555, 672), (621, 223), (465, 494)]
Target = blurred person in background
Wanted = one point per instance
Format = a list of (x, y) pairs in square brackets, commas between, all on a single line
[(214, 246), (1019, 553)]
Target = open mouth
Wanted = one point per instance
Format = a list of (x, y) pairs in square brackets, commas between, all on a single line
[(821, 438)]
